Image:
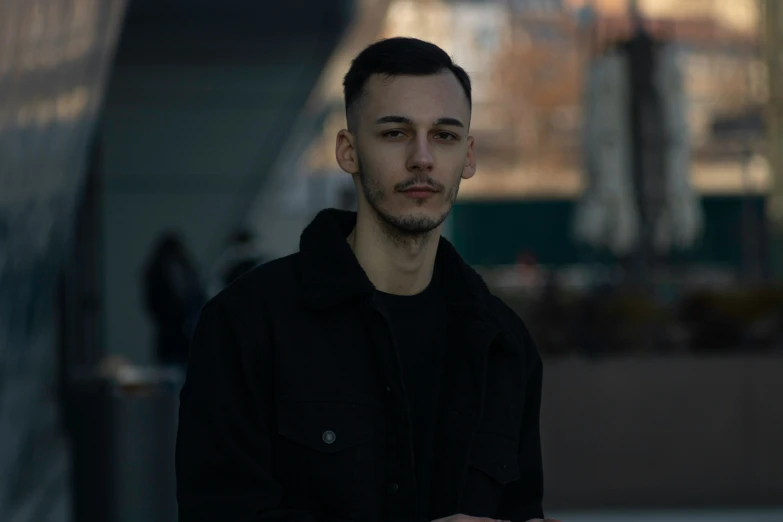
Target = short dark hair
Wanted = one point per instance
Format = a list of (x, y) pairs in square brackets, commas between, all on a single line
[(399, 57)]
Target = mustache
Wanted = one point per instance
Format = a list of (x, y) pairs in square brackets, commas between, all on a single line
[(419, 180)]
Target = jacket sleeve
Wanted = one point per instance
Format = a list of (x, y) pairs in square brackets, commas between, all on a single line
[(224, 441), (522, 499)]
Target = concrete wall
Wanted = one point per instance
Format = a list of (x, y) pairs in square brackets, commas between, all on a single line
[(663, 432)]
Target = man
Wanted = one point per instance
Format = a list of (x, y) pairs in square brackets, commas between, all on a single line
[(371, 376)]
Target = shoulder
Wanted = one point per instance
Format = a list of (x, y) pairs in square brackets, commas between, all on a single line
[(515, 330), (505, 318), (274, 284)]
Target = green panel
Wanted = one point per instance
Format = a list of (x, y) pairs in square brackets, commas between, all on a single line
[(490, 233), (494, 233)]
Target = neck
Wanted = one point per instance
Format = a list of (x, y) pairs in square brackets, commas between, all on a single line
[(394, 264)]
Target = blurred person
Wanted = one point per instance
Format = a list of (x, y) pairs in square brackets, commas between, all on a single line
[(371, 376), (173, 297), (242, 255)]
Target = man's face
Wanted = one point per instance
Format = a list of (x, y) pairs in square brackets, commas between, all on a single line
[(409, 150)]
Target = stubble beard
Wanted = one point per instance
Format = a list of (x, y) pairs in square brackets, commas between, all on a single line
[(405, 229)]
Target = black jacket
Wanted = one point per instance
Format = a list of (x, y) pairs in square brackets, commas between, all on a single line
[(293, 409)]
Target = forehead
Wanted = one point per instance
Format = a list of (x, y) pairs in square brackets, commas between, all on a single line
[(417, 97)]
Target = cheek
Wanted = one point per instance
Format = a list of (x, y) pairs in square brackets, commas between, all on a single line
[(392, 157), (450, 157), (382, 168), (451, 169)]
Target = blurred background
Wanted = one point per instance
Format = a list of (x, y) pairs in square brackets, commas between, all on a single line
[(629, 207)]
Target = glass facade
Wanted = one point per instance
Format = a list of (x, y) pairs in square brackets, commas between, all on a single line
[(54, 58)]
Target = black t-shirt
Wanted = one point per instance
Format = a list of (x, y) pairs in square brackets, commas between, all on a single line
[(419, 325)]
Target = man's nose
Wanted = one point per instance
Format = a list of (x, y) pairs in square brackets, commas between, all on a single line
[(420, 157)]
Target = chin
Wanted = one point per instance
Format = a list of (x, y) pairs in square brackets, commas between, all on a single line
[(415, 222)]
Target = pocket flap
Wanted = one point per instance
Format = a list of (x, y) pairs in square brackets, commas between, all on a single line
[(327, 427), (497, 456)]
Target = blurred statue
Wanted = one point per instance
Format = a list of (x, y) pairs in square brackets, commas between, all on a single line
[(638, 197), (174, 297)]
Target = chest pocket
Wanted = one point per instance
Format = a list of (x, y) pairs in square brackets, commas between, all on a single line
[(325, 453), (493, 464)]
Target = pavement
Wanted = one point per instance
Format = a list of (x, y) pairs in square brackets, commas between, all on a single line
[(724, 515)]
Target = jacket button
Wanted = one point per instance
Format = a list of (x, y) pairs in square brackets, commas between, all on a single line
[(393, 488), (329, 437), (388, 389)]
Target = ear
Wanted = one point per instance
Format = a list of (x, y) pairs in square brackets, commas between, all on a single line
[(470, 160), (345, 152)]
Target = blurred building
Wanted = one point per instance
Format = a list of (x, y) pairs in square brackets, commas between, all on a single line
[(739, 15), (527, 60)]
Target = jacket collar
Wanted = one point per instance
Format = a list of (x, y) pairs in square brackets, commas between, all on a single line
[(331, 274)]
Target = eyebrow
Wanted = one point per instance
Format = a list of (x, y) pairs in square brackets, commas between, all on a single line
[(454, 122)]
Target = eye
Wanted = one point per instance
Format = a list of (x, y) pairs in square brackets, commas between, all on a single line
[(446, 136), (393, 134)]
